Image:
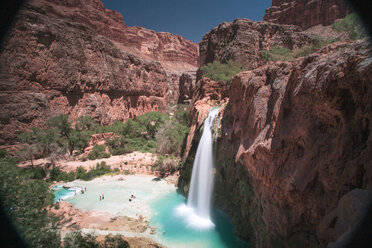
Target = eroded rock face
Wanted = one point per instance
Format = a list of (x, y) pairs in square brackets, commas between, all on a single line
[(294, 146), (206, 93), (79, 58), (173, 51), (306, 13), (303, 133), (243, 40)]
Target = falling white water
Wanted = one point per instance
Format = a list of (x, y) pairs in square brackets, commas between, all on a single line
[(198, 206)]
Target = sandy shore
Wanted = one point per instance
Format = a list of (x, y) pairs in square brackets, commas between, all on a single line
[(135, 162)]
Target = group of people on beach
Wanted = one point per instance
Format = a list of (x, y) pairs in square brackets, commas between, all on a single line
[(102, 197), (132, 197)]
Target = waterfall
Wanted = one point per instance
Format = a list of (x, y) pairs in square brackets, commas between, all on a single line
[(198, 206)]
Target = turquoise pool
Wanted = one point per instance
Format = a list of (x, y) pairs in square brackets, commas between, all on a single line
[(156, 199), (174, 231)]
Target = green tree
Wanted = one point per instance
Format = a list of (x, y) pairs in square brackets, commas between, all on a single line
[(24, 200), (132, 128), (3, 153), (85, 123), (98, 152), (80, 139), (63, 125), (182, 114), (152, 121), (28, 153), (77, 240), (171, 138)]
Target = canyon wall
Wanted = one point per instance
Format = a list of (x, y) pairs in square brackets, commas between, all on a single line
[(294, 149), (306, 13), (77, 57), (243, 40)]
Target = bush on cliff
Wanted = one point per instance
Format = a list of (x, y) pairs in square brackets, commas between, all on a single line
[(279, 53), (221, 72), (352, 25)]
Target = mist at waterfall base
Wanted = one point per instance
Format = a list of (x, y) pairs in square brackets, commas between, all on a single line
[(177, 233)]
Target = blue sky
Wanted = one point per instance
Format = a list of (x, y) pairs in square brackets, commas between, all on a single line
[(189, 18)]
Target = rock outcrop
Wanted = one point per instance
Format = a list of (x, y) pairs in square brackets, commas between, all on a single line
[(79, 58), (243, 40), (303, 129), (293, 153), (306, 13)]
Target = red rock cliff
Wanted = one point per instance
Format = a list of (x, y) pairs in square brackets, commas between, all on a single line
[(243, 41), (77, 57), (304, 134), (306, 13)]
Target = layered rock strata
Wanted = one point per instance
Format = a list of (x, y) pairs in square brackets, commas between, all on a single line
[(79, 58), (243, 41), (306, 13), (293, 156)]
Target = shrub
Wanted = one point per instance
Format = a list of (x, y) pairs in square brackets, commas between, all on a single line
[(99, 170), (277, 53), (352, 25), (283, 54), (152, 121), (81, 173), (2, 153), (118, 151), (80, 139), (85, 123), (76, 239), (98, 152), (24, 201), (140, 144), (115, 242), (117, 145), (132, 128), (221, 72), (57, 175), (182, 114), (35, 173)]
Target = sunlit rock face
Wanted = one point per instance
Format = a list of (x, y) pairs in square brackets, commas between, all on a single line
[(306, 13), (79, 58), (243, 41)]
